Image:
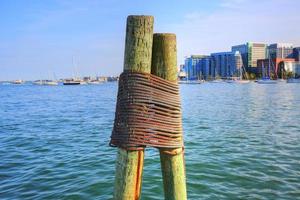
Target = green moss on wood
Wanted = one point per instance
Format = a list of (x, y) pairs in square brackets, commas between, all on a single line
[(164, 65), (138, 44), (164, 56), (138, 51)]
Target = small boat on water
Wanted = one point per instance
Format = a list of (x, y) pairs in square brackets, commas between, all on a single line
[(191, 82), (74, 82), (242, 77), (216, 81), (95, 82), (238, 81), (18, 82), (242, 81), (71, 82), (266, 78), (45, 82)]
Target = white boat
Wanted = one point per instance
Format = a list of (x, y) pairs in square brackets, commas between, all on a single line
[(293, 80), (241, 72), (45, 82), (18, 82), (82, 82), (242, 81), (191, 82), (74, 82), (238, 81), (71, 82), (95, 82), (217, 81)]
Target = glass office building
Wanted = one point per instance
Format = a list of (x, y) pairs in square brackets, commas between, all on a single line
[(251, 52), (280, 50)]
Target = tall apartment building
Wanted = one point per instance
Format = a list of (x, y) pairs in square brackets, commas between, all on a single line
[(204, 68), (222, 64), (190, 66), (280, 50), (251, 52)]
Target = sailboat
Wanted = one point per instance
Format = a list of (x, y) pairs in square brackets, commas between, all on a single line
[(45, 82), (240, 71), (266, 79), (71, 82), (187, 81), (240, 79), (216, 78), (17, 82), (74, 81), (199, 80)]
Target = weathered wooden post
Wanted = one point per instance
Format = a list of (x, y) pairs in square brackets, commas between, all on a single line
[(138, 51), (164, 65)]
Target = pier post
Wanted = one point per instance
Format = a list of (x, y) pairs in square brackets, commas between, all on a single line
[(164, 65), (138, 51)]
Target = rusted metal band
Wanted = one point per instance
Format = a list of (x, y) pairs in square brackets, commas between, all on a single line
[(148, 113)]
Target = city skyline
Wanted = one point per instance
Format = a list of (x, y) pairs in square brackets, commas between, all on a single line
[(41, 38)]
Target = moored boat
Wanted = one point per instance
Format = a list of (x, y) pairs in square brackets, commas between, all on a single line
[(267, 79), (242, 81), (95, 82), (71, 82), (45, 82), (216, 81), (18, 82)]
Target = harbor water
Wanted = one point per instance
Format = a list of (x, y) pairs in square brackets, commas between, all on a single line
[(242, 141)]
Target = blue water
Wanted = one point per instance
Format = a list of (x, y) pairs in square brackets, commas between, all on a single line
[(242, 142)]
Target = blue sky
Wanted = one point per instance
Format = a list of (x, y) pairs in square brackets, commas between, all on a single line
[(39, 38)]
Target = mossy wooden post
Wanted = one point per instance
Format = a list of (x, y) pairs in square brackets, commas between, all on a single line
[(164, 65), (138, 51)]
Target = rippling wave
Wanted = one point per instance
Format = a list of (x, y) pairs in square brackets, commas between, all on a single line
[(242, 142)]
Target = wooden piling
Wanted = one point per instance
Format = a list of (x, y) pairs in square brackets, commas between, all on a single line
[(138, 51), (164, 64)]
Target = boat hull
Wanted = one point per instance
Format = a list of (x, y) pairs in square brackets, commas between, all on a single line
[(72, 83)]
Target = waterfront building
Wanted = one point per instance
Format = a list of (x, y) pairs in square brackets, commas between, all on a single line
[(204, 68), (275, 69), (291, 66), (251, 52), (190, 66), (280, 50), (222, 64)]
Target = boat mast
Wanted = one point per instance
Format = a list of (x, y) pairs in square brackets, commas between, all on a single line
[(269, 67), (263, 70)]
